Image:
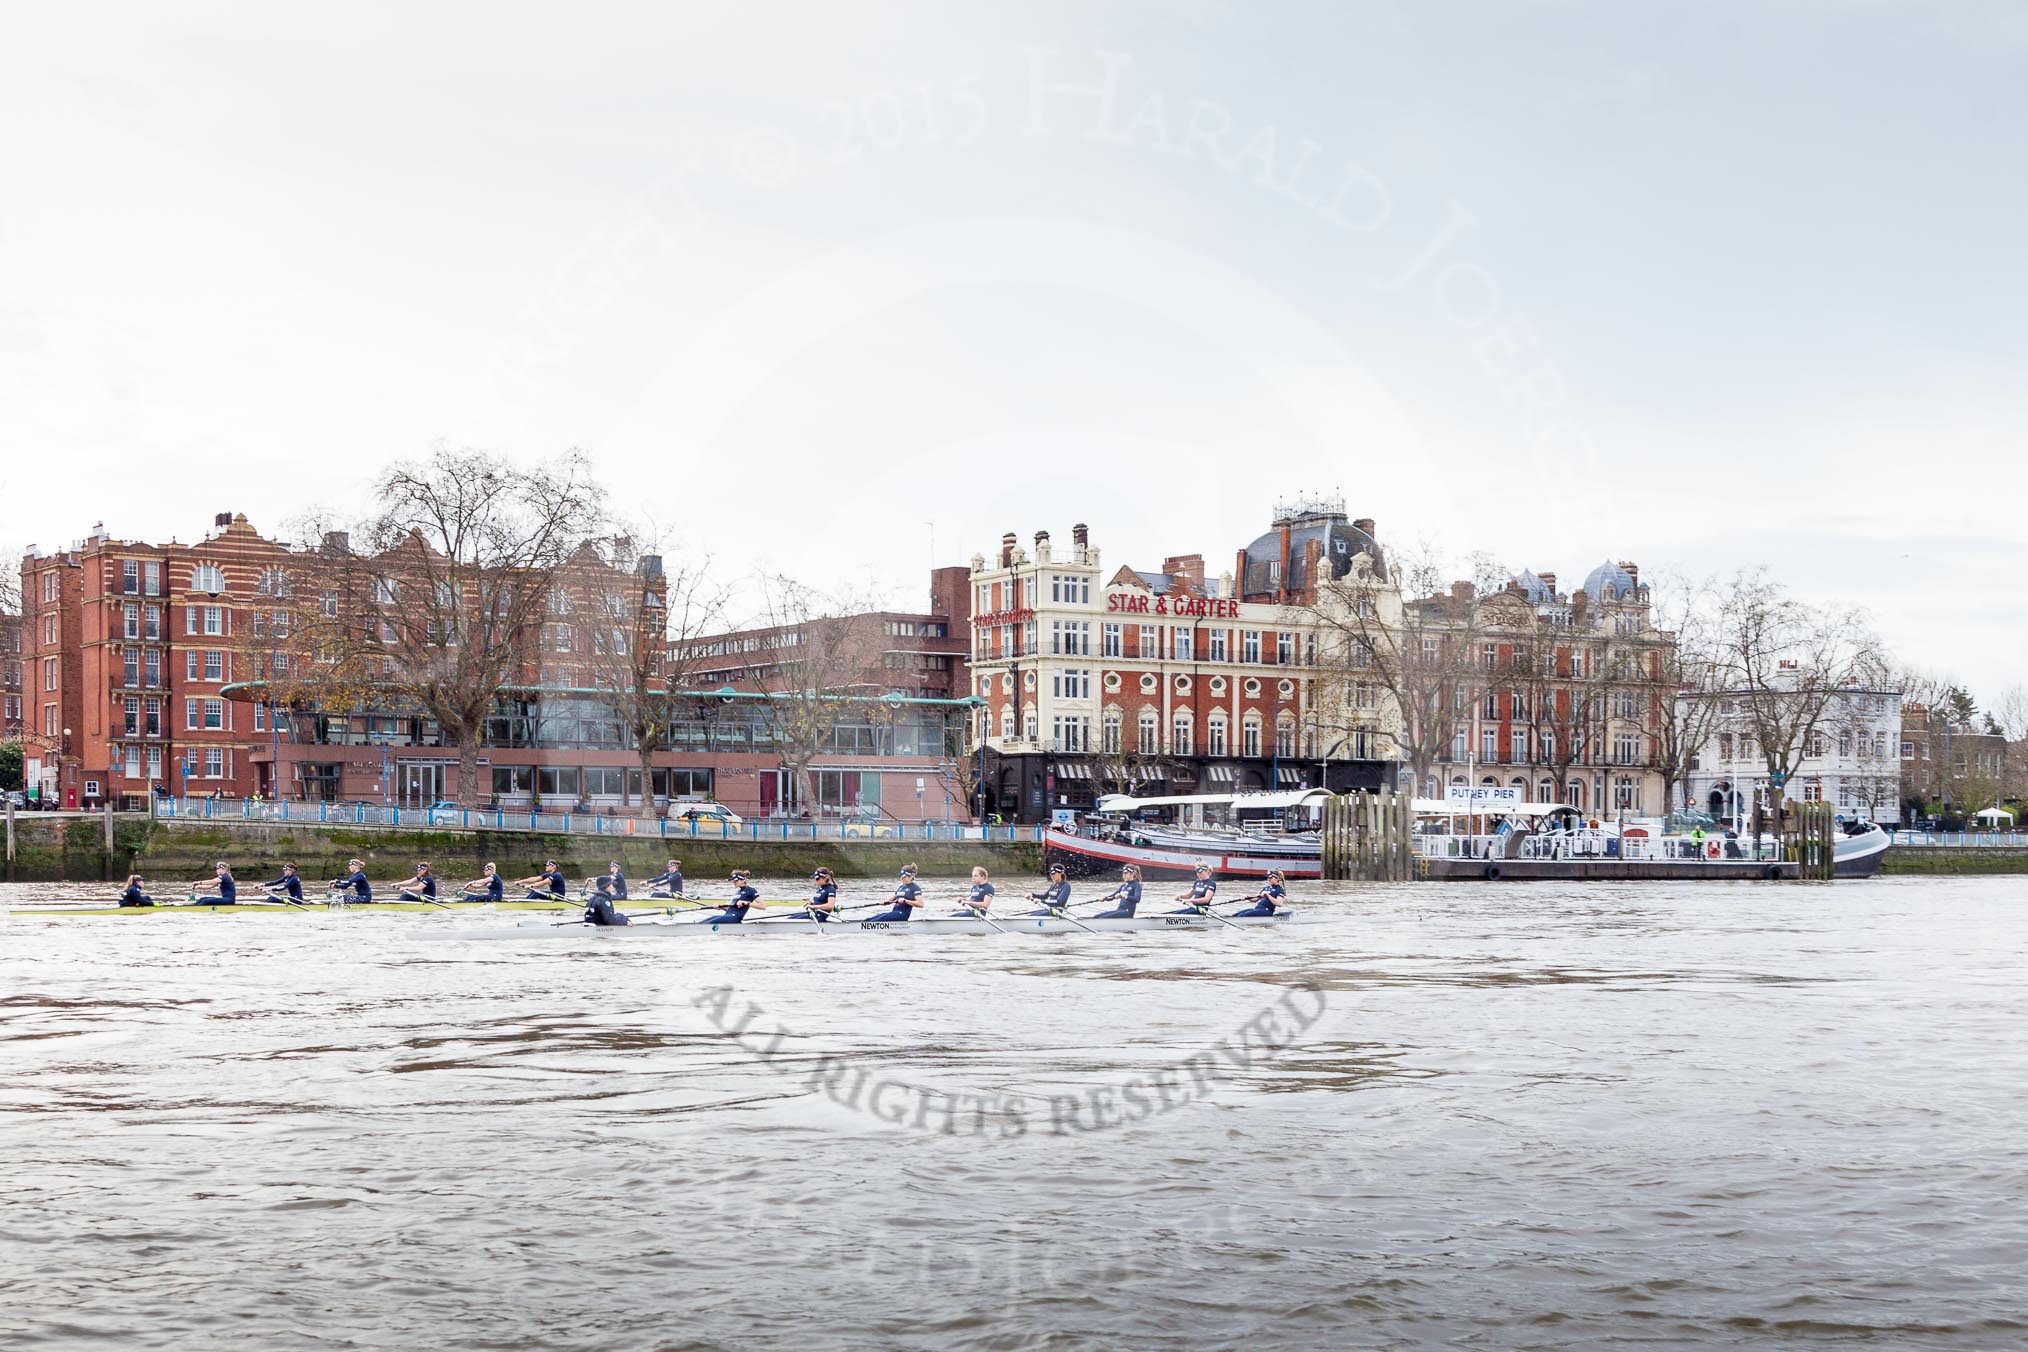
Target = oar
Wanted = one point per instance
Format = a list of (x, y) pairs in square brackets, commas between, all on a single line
[(1062, 914), (284, 899), (978, 914)]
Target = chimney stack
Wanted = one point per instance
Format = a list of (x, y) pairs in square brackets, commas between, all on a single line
[(1042, 546), (337, 542), (1549, 581), (1633, 571), (1364, 523), (1007, 550), (1463, 591), (222, 520)]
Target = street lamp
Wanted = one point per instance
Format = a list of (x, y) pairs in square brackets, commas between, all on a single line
[(972, 705)]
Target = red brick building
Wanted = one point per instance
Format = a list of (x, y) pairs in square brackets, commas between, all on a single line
[(127, 650)]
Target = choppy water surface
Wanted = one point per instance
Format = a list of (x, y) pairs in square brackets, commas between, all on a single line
[(1526, 1115)]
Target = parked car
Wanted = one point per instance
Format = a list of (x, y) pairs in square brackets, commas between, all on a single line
[(709, 818), (447, 805)]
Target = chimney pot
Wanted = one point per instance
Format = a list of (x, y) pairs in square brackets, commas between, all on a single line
[(222, 520)]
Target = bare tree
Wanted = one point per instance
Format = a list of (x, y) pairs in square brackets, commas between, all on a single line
[(644, 615), (1783, 664), (440, 601), (1688, 698), (1396, 630), (823, 668)]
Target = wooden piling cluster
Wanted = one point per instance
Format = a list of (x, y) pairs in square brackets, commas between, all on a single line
[(1811, 841), (1366, 837)]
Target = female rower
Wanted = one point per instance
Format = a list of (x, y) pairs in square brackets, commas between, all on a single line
[(288, 885), (133, 895), (227, 889), (824, 901), (667, 883), (488, 886), (743, 898), (1125, 897), (422, 887), (598, 907), (616, 881), (547, 885), (355, 883), (907, 897), (1202, 893), (1055, 896), (981, 896), (1272, 897)]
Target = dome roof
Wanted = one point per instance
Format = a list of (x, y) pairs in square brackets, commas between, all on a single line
[(1341, 540), (1609, 576), (1534, 588)]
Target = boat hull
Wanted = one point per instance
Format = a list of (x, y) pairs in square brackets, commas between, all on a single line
[(1859, 856), (893, 929), (1083, 857)]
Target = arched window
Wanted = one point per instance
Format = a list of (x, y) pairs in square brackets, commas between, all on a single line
[(1151, 733), (1547, 788), (1576, 795), (1214, 735), (1007, 721), (1249, 735), (1180, 740), (1109, 730)]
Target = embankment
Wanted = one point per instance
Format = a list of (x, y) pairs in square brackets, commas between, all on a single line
[(1955, 859), (188, 850), (50, 847)]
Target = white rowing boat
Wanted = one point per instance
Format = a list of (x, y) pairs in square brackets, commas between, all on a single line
[(955, 924)]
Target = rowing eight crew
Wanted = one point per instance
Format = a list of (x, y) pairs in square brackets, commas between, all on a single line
[(223, 889), (907, 898)]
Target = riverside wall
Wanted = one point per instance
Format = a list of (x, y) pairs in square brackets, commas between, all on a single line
[(189, 848)]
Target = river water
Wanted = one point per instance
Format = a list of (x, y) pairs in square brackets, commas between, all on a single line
[(1529, 1115)]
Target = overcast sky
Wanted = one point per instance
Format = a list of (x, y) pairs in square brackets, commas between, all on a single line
[(1697, 286)]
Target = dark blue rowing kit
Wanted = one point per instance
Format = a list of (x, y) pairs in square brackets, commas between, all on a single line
[(419, 887), (289, 883), (617, 884), (1270, 899), (495, 889), (822, 901), (981, 897), (1125, 898), (554, 888), (906, 892), (1054, 898), (735, 910), (598, 910), (361, 889), (1202, 894), (134, 896), (670, 883), (228, 891)]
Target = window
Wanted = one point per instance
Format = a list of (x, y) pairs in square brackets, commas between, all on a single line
[(1489, 655), (151, 665), (1109, 731), (49, 629), (153, 727), (1147, 682), (207, 578), (1249, 737), (1626, 748), (1150, 646), (214, 620), (1071, 683), (1491, 704), (1069, 589), (131, 707), (1517, 745), (151, 578), (1007, 722), (49, 669), (1180, 741), (154, 762), (151, 623), (214, 762), (327, 602), (1249, 645), (214, 665), (1109, 640), (1214, 735), (1624, 797), (1285, 649), (1150, 733), (49, 723), (260, 718), (131, 622), (556, 781), (130, 576), (1285, 738), (1070, 638), (1070, 732), (130, 667), (386, 591), (1844, 746), (1219, 638)]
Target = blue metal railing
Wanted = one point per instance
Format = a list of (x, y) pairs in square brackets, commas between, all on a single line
[(595, 823)]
